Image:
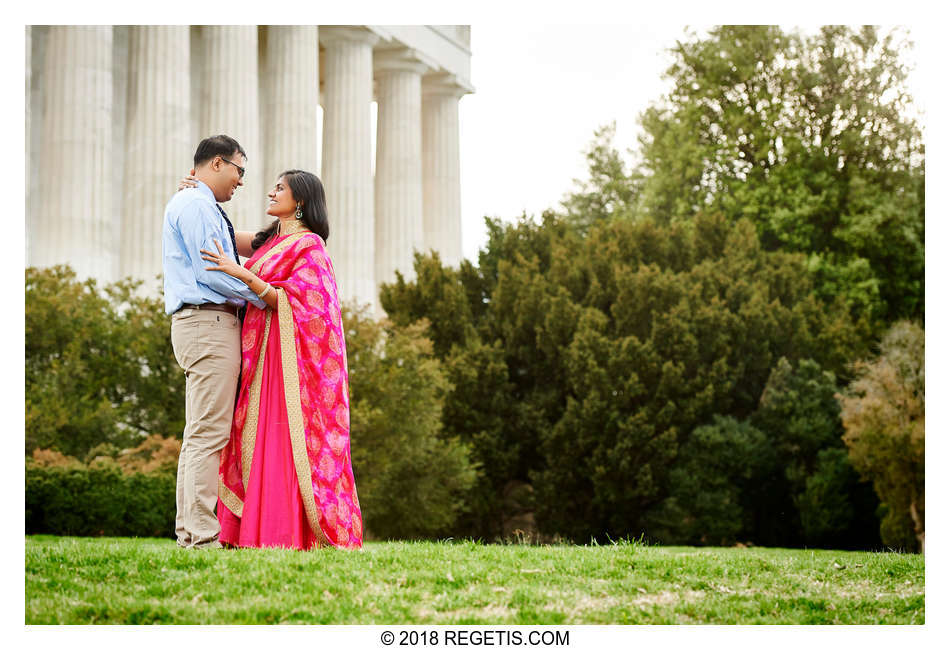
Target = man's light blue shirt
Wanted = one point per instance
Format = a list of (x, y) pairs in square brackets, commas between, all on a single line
[(193, 222)]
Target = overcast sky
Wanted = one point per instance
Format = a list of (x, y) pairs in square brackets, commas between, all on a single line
[(540, 92)]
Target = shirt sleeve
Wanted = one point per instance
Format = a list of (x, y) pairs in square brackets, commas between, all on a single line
[(200, 224)]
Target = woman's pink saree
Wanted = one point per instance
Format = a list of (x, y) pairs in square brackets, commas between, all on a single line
[(286, 478)]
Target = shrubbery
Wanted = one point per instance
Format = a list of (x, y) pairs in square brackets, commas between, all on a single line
[(114, 492), (98, 499), (412, 479)]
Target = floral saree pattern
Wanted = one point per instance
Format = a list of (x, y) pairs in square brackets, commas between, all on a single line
[(315, 382)]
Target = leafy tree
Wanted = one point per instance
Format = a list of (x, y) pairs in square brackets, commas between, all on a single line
[(52, 458), (836, 509), (799, 413), (437, 288), (780, 477), (151, 385), (412, 479), (99, 365), (595, 355), (808, 137), (610, 190), (500, 399), (776, 212), (715, 485), (679, 338), (478, 408), (802, 418), (883, 415)]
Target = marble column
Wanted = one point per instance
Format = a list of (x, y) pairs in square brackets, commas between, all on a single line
[(158, 143), (73, 201), (347, 159), (229, 105), (441, 197), (289, 99), (399, 230), (29, 124)]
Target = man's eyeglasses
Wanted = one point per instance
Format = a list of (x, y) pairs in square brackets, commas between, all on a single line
[(239, 168)]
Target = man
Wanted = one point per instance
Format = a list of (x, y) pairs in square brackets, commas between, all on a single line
[(206, 330)]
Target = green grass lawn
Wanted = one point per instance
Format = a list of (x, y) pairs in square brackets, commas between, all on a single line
[(131, 581)]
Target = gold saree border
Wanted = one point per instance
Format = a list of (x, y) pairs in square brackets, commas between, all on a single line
[(249, 432), (256, 267), (288, 361), (230, 499)]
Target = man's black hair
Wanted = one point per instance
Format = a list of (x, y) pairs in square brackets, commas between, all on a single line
[(217, 145)]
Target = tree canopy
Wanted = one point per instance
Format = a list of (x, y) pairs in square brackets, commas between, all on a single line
[(580, 363), (811, 138), (99, 365), (700, 306)]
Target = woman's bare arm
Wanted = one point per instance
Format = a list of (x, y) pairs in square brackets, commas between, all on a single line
[(243, 238)]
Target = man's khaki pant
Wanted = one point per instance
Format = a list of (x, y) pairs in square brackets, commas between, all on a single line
[(207, 346)]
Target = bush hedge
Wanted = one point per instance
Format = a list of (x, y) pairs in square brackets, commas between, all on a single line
[(99, 499)]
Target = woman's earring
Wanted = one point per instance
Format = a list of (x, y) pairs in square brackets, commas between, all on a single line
[(299, 213)]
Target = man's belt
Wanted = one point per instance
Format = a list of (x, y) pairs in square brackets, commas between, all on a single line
[(231, 309)]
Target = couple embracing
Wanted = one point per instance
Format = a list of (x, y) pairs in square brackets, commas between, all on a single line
[(267, 424)]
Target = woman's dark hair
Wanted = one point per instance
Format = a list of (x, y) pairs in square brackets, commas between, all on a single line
[(307, 190)]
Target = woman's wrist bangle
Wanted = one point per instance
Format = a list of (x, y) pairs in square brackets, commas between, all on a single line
[(263, 293)]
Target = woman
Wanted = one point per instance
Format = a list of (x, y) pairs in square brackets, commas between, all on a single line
[(286, 478)]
